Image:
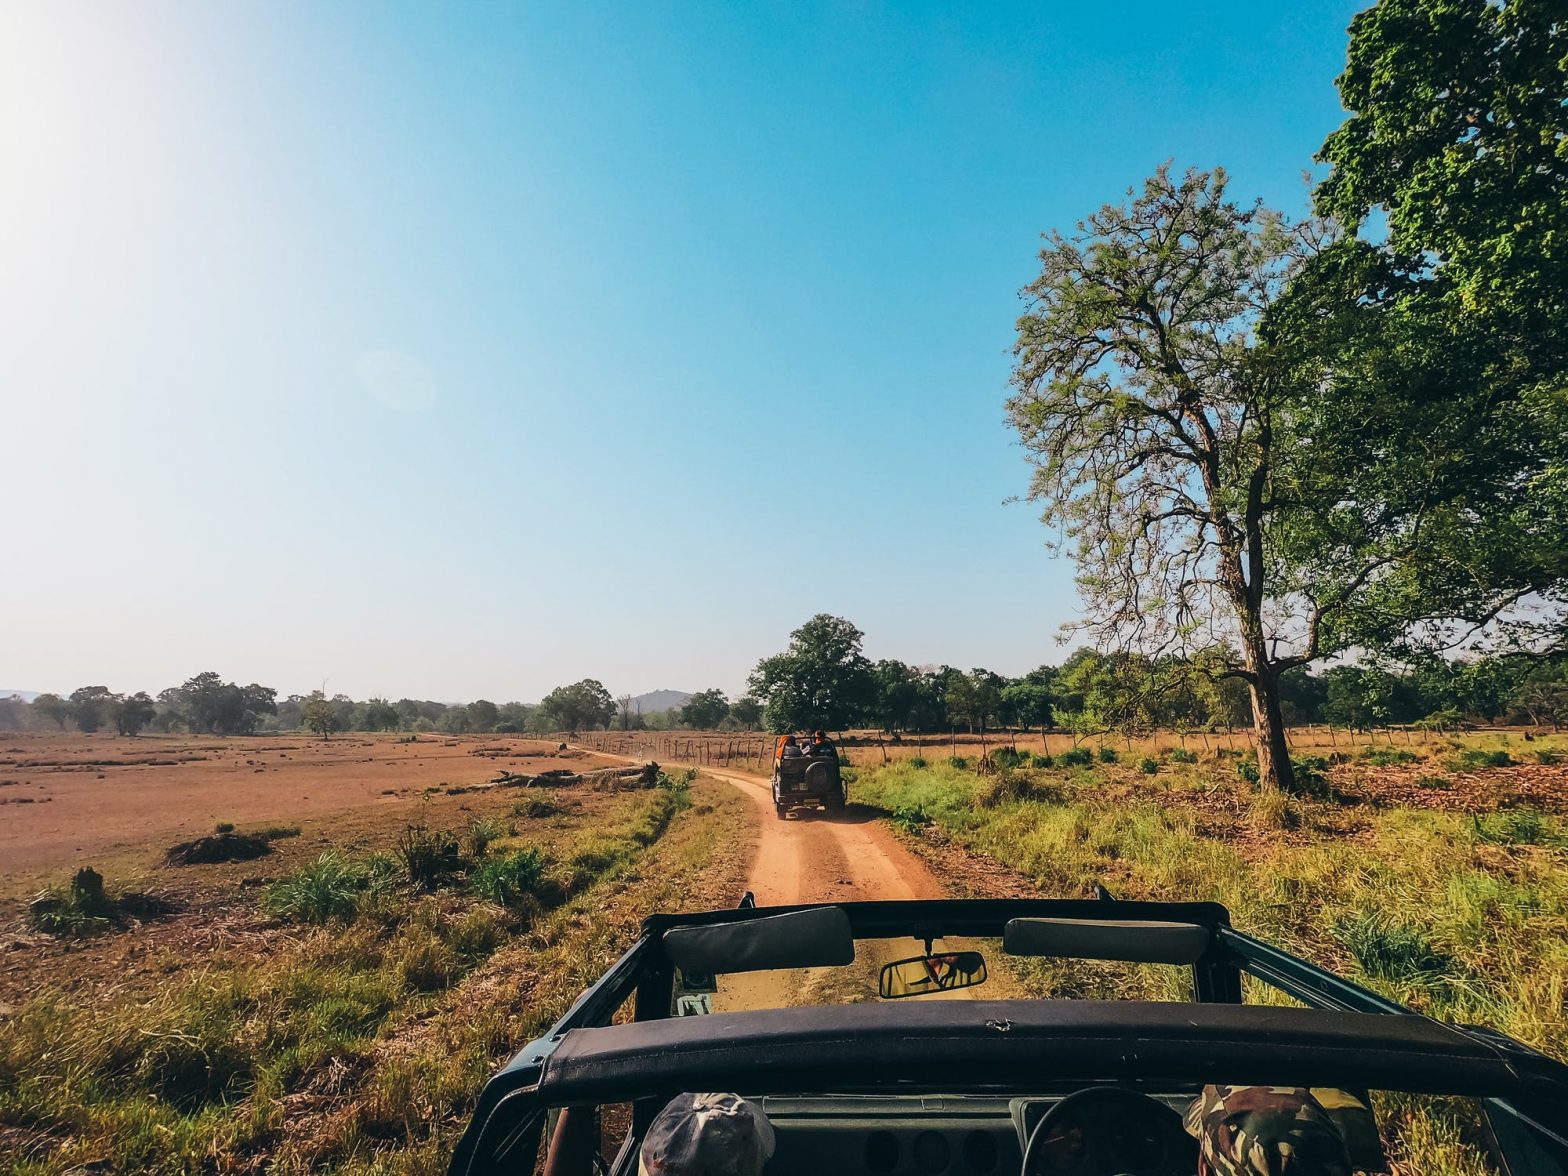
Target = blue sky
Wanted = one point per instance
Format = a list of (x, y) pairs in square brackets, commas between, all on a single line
[(463, 351)]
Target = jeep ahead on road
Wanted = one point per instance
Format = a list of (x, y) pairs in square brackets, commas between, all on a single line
[(808, 781), (974, 1087)]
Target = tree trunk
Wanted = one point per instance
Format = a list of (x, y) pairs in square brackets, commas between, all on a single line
[(1275, 771)]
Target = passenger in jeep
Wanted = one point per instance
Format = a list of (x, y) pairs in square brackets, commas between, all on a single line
[(707, 1135), (1283, 1131)]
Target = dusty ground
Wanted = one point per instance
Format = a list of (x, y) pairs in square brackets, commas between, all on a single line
[(216, 907), (70, 800)]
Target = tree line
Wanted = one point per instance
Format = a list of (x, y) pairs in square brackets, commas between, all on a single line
[(823, 679), (206, 704)]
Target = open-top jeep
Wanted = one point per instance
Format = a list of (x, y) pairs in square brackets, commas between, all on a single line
[(971, 1087), (808, 781)]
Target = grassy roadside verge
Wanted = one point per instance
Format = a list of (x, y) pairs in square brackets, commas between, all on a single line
[(357, 1045), (1461, 916)]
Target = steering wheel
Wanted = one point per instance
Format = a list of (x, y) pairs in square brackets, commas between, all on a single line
[(1153, 1144)]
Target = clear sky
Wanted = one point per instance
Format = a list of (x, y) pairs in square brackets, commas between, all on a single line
[(460, 351)]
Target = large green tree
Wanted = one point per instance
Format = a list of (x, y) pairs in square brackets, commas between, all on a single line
[(52, 707), (1439, 439), (582, 706), (705, 710), (822, 680), (318, 714), (91, 706), (1154, 419), (134, 712)]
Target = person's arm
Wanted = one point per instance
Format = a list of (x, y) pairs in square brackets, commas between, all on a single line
[(571, 1149)]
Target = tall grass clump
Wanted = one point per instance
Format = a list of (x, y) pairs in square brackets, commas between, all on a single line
[(508, 880), (1390, 950), (479, 833), (329, 888), (429, 856)]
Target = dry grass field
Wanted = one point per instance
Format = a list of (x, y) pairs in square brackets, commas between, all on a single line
[(336, 1001), (74, 799)]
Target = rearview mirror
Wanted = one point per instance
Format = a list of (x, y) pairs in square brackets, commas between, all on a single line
[(937, 973)]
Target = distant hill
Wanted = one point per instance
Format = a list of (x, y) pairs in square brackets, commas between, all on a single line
[(658, 700), (24, 695)]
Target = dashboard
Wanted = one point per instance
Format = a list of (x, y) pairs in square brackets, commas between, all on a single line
[(969, 1135)]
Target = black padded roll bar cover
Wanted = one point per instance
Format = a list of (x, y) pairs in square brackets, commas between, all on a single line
[(816, 938), (1143, 941)]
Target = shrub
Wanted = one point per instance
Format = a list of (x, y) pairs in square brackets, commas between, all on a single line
[(1075, 757), (916, 761), (1391, 951), (957, 761), (1148, 766), (678, 786), (1310, 773), (1007, 758), (277, 832), (1181, 755), (1272, 810), (912, 816), (507, 881), (219, 847), (1382, 757), (1108, 755), (326, 889), (1248, 770), (1041, 761), (428, 855), (480, 833), (79, 909), (223, 827), (1547, 756), (1477, 758), (1441, 783), (1012, 787)]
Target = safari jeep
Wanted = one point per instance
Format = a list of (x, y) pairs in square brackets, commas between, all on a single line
[(808, 781), (884, 1062)]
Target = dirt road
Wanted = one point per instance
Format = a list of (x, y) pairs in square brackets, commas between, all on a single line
[(810, 858)]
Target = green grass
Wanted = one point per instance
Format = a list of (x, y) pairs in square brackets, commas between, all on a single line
[(507, 881), (1382, 757), (1475, 759), (327, 889)]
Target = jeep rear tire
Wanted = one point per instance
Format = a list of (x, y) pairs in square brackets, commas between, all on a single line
[(779, 810)]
